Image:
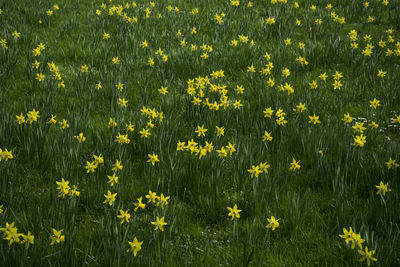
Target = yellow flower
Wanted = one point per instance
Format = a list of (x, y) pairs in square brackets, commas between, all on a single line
[(391, 164), (272, 223), (382, 188), (32, 115), (84, 68), (359, 140), (124, 216), (106, 36), (314, 119), (267, 136), (254, 171), (80, 138), (139, 204), (40, 77), (112, 179), (56, 237), (153, 158), (201, 131), (159, 223), (110, 198), (117, 166), (152, 197), (135, 246), (234, 212), (294, 165), (91, 166), (367, 255), (20, 118)]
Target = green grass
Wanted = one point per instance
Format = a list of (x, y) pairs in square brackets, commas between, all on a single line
[(328, 193)]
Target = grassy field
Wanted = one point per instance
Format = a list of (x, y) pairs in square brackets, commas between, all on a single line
[(200, 133)]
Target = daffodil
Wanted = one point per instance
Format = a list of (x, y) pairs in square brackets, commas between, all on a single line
[(234, 212), (272, 223), (159, 223), (135, 246)]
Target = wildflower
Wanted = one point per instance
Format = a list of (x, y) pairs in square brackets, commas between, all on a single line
[(1, 209), (230, 148), (90, 166), (32, 115), (163, 90), (251, 68), (119, 86), (84, 68), (237, 104), (264, 167), (254, 171), (112, 179), (117, 166), (391, 164), (112, 123), (286, 72), (159, 223), (373, 125), (347, 118), (374, 103), (57, 237), (152, 197), (367, 255), (381, 73), (300, 108), (314, 119), (52, 120), (122, 102), (272, 223), (6, 155), (396, 119), (163, 200), (144, 133), (220, 131), (234, 212), (20, 118), (80, 138), (294, 165), (359, 127), (337, 84), (40, 77), (110, 198), (222, 153), (106, 36), (64, 187), (150, 62), (99, 159), (382, 188), (201, 131), (124, 216), (27, 239), (323, 76), (313, 84), (129, 127), (64, 124), (139, 204), (267, 136), (281, 120), (153, 158), (115, 60), (268, 112), (135, 246), (16, 34), (359, 140), (144, 44)]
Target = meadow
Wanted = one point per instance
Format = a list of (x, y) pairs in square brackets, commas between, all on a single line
[(200, 133)]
